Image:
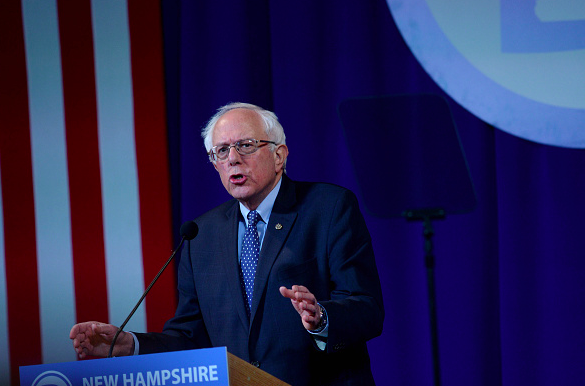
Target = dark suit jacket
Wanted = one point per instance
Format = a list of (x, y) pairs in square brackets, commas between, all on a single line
[(316, 237)]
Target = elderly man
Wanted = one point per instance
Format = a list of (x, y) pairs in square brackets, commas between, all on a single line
[(283, 275)]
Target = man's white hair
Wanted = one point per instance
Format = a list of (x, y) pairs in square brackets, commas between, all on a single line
[(272, 127)]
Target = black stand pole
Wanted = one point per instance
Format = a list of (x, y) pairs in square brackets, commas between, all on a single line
[(121, 328), (426, 165), (426, 216)]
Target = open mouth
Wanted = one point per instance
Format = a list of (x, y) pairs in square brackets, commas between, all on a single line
[(237, 178)]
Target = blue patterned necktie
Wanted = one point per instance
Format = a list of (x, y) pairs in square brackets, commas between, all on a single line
[(249, 257)]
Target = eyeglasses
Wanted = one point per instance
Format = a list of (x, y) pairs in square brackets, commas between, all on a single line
[(243, 147)]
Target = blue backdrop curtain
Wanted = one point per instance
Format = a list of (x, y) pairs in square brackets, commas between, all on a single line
[(510, 274)]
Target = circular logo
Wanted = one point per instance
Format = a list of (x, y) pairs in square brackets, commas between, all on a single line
[(51, 378), (518, 65)]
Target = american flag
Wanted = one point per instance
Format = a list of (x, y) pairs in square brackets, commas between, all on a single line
[(84, 194)]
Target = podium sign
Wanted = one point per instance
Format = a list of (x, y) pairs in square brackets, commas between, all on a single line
[(191, 367)]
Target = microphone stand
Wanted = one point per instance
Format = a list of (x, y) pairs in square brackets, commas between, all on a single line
[(426, 215), (121, 328)]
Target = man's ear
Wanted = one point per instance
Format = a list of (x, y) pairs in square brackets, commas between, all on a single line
[(280, 155)]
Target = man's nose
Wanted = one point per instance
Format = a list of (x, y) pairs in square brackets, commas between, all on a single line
[(233, 155)]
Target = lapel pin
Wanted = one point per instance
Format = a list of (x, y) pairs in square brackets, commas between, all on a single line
[(278, 226)]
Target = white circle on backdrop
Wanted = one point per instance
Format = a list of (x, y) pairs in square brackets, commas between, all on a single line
[(519, 65)]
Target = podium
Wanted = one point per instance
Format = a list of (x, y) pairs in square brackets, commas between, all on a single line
[(212, 366)]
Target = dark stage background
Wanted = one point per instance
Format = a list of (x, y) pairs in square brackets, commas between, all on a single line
[(510, 274)]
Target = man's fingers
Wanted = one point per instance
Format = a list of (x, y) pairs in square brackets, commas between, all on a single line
[(84, 328), (77, 330), (100, 329), (103, 331), (309, 307), (300, 288), (305, 303), (287, 293), (309, 318), (305, 297), (297, 292)]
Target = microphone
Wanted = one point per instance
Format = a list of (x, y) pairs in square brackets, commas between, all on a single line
[(188, 231)]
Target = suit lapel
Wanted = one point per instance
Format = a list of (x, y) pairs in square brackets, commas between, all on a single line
[(281, 222), (231, 265)]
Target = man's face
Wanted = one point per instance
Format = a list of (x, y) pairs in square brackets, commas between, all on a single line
[(248, 178)]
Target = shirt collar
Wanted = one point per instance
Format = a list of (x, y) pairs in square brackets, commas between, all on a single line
[(265, 207)]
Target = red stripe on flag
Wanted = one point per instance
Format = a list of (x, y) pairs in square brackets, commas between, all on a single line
[(151, 155), (79, 92), (17, 194)]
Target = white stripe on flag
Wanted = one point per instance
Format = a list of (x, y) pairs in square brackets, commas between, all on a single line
[(4, 343), (123, 244), (51, 186)]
